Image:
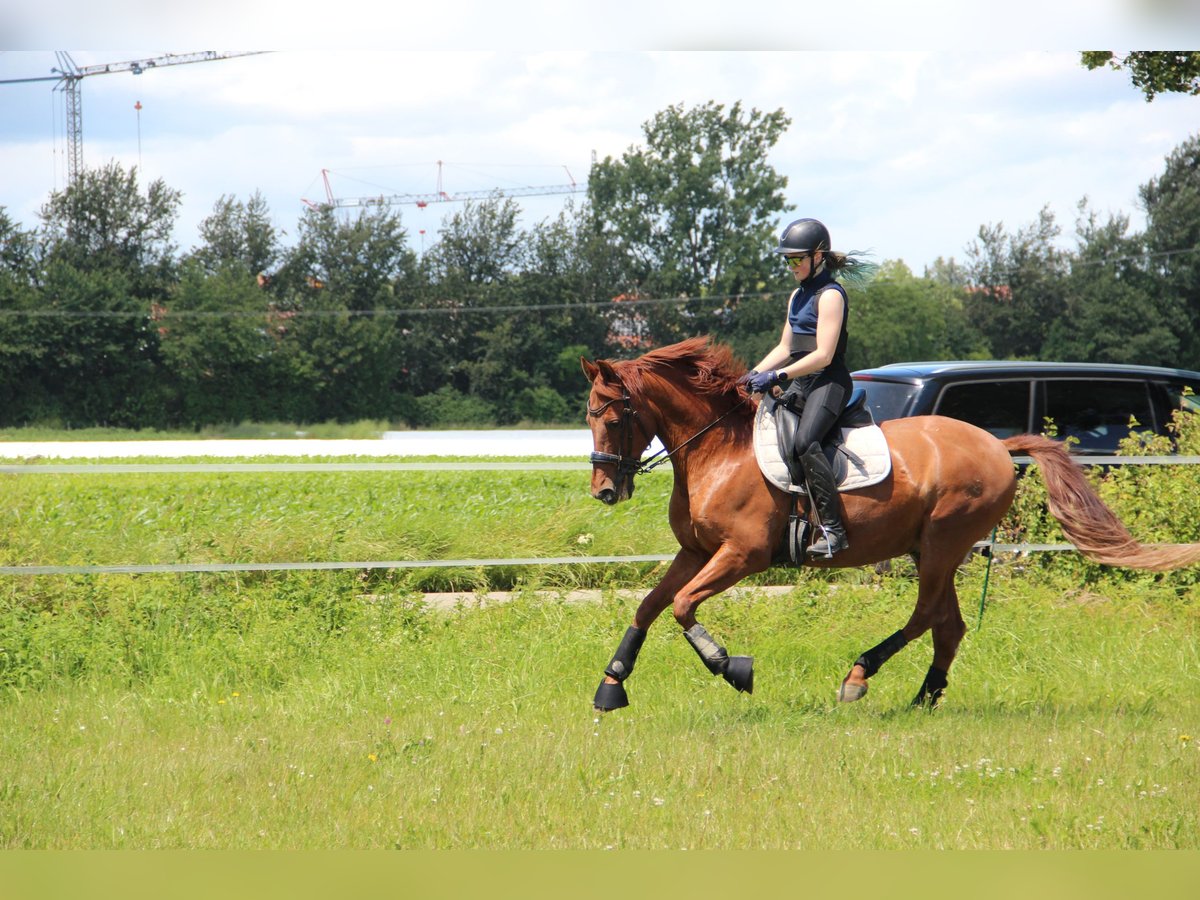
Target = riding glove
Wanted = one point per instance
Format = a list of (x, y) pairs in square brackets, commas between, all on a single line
[(761, 382)]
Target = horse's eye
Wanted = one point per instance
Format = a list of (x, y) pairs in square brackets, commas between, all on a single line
[(612, 423)]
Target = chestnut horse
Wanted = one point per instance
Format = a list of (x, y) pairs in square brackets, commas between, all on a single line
[(950, 484)]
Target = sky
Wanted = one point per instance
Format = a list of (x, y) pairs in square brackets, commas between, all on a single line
[(912, 126)]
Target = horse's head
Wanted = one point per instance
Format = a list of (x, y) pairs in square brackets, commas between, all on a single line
[(619, 436)]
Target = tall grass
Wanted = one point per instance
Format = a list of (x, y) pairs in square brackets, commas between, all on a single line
[(345, 516), (303, 711)]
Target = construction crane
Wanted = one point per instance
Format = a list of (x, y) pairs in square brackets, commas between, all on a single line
[(69, 77), (439, 195)]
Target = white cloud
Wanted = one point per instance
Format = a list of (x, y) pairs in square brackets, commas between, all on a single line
[(533, 25), (908, 152)]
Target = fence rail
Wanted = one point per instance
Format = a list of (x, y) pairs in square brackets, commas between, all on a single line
[(186, 568), (172, 468), (464, 466)]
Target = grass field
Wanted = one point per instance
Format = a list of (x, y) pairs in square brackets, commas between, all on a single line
[(335, 710)]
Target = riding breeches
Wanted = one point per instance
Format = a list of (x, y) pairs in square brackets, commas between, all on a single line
[(824, 400)]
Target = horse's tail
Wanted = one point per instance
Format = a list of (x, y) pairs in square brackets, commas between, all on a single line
[(1086, 521)]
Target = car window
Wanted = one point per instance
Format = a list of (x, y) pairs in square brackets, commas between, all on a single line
[(887, 399), (1183, 396), (999, 407), (1097, 412)]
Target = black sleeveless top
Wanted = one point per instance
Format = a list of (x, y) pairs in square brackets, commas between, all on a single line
[(803, 314)]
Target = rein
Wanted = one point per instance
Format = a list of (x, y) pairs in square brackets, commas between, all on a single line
[(627, 465)]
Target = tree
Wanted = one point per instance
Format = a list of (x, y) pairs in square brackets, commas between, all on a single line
[(901, 318), (238, 235), (217, 333), (99, 351), (21, 349), (217, 337), (1113, 314), (480, 244), (338, 342), (18, 249), (107, 261), (359, 260), (102, 220), (1017, 285), (694, 211), (475, 264), (948, 272), (529, 368), (1172, 203), (1154, 71)]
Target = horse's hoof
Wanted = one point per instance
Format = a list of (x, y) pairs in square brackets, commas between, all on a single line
[(740, 673), (932, 689), (927, 700), (610, 696), (849, 692)]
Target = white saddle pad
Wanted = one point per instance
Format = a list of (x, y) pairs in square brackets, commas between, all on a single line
[(867, 461)]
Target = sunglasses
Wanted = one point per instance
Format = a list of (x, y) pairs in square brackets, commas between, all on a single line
[(794, 262)]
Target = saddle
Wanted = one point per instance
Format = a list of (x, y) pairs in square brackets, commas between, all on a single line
[(855, 447)]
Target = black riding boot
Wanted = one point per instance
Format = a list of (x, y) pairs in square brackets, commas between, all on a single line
[(823, 492)]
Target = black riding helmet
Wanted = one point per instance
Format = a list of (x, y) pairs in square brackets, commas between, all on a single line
[(804, 236)]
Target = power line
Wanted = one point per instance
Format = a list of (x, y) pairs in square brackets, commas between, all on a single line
[(610, 305)]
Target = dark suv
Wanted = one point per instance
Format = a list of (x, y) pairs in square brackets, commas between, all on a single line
[(1088, 401)]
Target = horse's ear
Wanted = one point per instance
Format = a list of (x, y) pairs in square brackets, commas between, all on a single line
[(601, 369), (607, 373)]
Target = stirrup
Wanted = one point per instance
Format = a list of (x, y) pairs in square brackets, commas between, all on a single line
[(829, 543)]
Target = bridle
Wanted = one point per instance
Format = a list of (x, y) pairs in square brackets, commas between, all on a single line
[(628, 465)]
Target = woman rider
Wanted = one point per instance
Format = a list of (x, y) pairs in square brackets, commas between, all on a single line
[(810, 359)]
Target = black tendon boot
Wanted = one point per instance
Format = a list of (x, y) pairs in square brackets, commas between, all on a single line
[(823, 491)]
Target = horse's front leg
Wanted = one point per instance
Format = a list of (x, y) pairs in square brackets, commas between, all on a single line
[(727, 567), (611, 693)]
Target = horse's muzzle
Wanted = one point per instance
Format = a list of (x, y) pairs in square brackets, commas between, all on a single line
[(613, 492), (615, 487), (607, 496)]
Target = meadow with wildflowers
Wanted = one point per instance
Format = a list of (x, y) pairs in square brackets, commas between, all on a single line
[(339, 710)]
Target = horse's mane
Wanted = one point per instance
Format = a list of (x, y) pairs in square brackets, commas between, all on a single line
[(705, 366)]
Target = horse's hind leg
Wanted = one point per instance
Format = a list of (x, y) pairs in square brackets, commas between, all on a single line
[(947, 635), (937, 608), (854, 685)]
